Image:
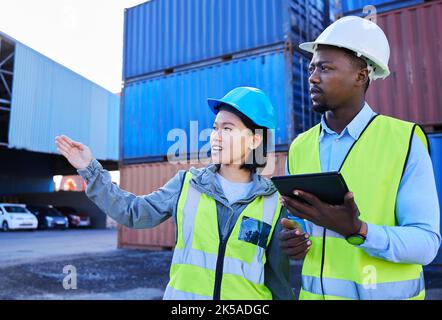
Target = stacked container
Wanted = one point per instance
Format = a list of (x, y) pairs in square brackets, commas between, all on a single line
[(166, 34), (412, 91), (155, 106), (356, 7), (179, 53)]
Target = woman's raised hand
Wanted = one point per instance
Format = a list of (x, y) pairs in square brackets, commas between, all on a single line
[(78, 155)]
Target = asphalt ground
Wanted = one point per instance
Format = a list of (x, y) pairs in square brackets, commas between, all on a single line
[(42, 265)]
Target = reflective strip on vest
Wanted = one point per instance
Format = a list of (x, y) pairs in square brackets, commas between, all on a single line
[(398, 290), (190, 211), (252, 272), (173, 294), (317, 231)]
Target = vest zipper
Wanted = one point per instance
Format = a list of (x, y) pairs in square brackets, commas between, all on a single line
[(219, 270), (220, 260), (323, 261)]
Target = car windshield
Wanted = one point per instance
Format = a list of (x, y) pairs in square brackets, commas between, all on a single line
[(46, 211), (55, 212), (15, 209)]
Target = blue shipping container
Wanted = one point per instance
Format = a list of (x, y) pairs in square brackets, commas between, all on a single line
[(162, 34), (16, 175), (153, 107), (436, 157), (10, 185), (348, 7)]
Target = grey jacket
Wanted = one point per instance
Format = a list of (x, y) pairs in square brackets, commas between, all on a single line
[(148, 211)]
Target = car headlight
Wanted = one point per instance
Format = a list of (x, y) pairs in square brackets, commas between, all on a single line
[(49, 218)]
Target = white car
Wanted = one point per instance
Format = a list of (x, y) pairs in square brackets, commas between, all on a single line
[(15, 216)]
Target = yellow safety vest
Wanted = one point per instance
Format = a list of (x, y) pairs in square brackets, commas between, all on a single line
[(373, 168), (203, 267)]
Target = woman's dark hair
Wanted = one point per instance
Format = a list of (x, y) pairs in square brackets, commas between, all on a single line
[(258, 156)]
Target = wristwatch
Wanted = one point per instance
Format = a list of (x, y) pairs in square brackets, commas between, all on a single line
[(358, 238)]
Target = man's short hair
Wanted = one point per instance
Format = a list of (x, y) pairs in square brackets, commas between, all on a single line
[(357, 62)]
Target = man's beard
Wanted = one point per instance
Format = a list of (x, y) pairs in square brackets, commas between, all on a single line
[(320, 108)]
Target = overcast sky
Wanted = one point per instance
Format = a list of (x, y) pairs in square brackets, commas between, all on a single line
[(84, 35)]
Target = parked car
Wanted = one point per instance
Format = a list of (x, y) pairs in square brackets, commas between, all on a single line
[(49, 217), (15, 216), (76, 219)]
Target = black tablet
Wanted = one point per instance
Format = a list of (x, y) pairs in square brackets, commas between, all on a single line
[(330, 187)]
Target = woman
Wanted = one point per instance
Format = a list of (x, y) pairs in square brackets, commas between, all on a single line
[(226, 213)]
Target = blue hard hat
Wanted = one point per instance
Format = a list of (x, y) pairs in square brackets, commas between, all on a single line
[(251, 102)]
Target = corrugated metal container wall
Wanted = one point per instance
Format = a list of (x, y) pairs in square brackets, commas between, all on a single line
[(356, 6), (48, 100), (304, 116), (412, 91), (194, 30), (152, 108), (145, 178), (436, 157)]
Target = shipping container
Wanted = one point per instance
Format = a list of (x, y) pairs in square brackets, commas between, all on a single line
[(47, 99), (142, 179), (356, 7), (22, 171), (154, 107), (412, 91), (12, 185), (436, 157), (164, 34)]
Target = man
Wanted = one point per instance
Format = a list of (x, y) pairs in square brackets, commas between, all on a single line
[(374, 245)]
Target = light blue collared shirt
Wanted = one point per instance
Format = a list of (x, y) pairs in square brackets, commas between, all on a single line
[(417, 238)]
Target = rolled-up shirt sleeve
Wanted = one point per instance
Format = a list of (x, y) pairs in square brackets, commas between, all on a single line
[(145, 211), (416, 239)]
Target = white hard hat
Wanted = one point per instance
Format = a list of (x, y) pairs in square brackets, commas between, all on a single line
[(360, 35)]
